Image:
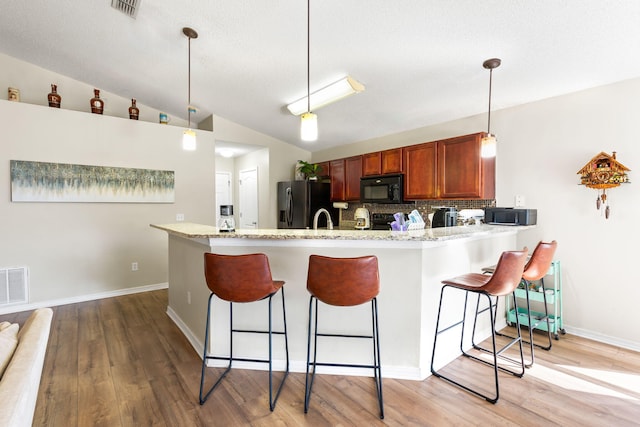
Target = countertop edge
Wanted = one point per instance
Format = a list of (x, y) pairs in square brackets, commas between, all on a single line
[(201, 231)]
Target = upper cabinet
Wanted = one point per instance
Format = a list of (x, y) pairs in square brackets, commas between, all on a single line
[(352, 175), (462, 172), (382, 162), (345, 179), (391, 161), (371, 164), (447, 169), (420, 171), (336, 169), (325, 169)]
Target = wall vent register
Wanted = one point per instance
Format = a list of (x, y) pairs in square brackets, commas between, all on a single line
[(128, 7), (13, 286)]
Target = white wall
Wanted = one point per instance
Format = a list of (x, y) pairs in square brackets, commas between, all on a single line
[(541, 147), (75, 250)]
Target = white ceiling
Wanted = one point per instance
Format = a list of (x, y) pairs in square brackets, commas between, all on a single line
[(420, 60)]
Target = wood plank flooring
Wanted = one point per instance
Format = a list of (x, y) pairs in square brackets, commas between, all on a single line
[(122, 362)]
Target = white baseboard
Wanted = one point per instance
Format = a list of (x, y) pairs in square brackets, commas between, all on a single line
[(595, 336), (197, 345), (82, 298)]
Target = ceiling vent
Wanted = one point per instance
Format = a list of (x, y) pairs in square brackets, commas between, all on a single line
[(128, 7)]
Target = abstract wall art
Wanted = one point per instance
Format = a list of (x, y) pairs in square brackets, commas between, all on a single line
[(60, 182)]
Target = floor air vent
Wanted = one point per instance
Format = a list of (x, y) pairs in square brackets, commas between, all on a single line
[(13, 286), (128, 7)]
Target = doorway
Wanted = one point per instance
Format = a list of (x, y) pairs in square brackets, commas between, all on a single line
[(224, 195), (248, 198)]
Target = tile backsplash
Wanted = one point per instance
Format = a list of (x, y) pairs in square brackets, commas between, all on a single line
[(424, 207)]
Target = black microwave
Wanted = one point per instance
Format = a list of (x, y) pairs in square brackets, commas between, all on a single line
[(381, 189)]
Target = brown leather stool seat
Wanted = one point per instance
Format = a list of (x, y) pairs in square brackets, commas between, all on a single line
[(535, 269), (343, 282), (503, 282), (242, 279)]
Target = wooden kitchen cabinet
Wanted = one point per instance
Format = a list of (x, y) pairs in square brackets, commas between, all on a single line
[(345, 179), (447, 169), (382, 162), (325, 169), (461, 172), (420, 171), (371, 163), (336, 169), (391, 161), (352, 175)]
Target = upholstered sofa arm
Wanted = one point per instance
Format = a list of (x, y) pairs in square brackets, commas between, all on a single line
[(21, 380)]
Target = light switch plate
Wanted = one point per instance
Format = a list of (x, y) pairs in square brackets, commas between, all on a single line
[(519, 201)]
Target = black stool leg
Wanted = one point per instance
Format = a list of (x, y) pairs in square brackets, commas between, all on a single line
[(272, 401), (531, 324), (308, 384), (495, 351), (205, 357), (495, 317), (546, 316), (376, 366), (377, 370)]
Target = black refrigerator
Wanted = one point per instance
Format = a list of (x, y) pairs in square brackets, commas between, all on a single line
[(298, 201)]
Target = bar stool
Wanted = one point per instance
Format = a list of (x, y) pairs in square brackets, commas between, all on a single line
[(242, 279), (504, 281), (343, 282), (535, 269)]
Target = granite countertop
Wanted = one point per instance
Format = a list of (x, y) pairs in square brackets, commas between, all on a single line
[(191, 230)]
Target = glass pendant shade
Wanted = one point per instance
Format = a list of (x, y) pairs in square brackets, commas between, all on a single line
[(308, 127), (488, 146), (189, 140)]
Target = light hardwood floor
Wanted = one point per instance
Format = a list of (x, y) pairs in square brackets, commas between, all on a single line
[(122, 362)]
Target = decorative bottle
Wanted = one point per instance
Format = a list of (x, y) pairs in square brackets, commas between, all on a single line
[(97, 104), (53, 97), (134, 111)]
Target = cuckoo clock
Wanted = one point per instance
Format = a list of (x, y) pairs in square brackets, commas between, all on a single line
[(603, 172)]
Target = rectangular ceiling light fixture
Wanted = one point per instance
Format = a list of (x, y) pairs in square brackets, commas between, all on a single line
[(332, 93), (128, 7)]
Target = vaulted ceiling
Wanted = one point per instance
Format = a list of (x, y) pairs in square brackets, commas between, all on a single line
[(420, 60)]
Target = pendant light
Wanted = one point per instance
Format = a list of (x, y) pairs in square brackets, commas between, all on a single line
[(488, 143), (308, 120), (189, 136)]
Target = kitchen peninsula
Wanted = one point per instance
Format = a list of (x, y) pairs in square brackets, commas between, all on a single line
[(411, 264)]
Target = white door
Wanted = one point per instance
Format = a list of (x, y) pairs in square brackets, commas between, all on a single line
[(223, 191), (248, 214)]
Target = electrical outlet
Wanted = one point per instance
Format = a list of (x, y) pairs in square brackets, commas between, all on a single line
[(134, 266), (188, 297), (179, 217), (519, 201)]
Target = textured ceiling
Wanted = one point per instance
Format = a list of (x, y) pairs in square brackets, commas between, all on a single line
[(420, 60)]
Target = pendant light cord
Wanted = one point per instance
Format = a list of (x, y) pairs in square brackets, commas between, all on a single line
[(189, 85), (308, 56), (489, 115)]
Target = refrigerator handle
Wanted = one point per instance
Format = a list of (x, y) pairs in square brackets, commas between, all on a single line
[(289, 207)]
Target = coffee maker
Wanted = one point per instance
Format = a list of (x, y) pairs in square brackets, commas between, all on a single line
[(444, 217), (226, 222), (362, 219)]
